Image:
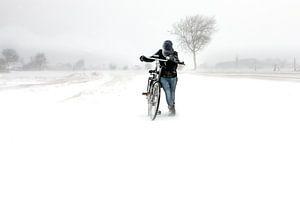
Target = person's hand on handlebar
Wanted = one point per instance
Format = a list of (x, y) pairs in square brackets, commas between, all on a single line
[(142, 58), (174, 59), (171, 58)]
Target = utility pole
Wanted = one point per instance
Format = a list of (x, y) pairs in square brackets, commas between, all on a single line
[(295, 64), (275, 68), (237, 61)]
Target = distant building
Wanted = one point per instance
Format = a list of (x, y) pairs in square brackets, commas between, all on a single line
[(252, 64), (243, 63)]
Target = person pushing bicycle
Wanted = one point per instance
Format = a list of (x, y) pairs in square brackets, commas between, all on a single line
[(168, 77)]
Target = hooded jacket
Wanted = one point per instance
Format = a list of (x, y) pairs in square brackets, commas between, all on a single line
[(169, 68)]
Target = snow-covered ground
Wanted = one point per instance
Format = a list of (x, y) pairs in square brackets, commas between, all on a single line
[(86, 135)]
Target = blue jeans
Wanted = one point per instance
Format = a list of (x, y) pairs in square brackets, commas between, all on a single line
[(169, 86)]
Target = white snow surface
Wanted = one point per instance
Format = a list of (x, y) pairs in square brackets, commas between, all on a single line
[(86, 135)]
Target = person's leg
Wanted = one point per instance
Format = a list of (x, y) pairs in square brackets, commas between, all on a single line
[(173, 83), (167, 88)]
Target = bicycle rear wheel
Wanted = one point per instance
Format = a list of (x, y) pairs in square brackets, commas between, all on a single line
[(154, 100)]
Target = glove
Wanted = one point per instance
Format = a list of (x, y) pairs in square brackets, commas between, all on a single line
[(142, 58), (172, 58)]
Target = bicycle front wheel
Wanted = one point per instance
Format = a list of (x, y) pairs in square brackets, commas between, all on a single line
[(153, 100)]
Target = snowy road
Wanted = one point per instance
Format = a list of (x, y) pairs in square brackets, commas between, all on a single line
[(86, 135)]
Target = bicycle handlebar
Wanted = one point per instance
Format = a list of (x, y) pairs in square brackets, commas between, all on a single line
[(165, 60), (157, 59)]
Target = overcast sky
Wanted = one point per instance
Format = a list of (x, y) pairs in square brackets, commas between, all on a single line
[(113, 30)]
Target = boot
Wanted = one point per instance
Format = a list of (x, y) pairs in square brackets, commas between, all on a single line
[(172, 111)]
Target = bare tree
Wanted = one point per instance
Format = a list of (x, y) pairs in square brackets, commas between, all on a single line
[(40, 60), (194, 32), (2, 64), (37, 62), (125, 67), (79, 65), (112, 66), (10, 56)]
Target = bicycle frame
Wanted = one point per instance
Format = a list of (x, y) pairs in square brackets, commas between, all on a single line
[(155, 74), (154, 88)]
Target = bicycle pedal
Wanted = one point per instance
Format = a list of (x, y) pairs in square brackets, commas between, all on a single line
[(159, 112)]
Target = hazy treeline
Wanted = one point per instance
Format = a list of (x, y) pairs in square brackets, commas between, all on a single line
[(11, 60)]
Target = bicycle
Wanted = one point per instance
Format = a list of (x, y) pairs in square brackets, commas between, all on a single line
[(154, 88)]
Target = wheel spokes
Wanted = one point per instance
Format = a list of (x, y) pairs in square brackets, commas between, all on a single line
[(153, 101)]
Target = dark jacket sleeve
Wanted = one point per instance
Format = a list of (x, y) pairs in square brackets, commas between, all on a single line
[(148, 60), (156, 55)]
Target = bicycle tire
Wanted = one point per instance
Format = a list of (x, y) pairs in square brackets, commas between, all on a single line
[(154, 100)]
